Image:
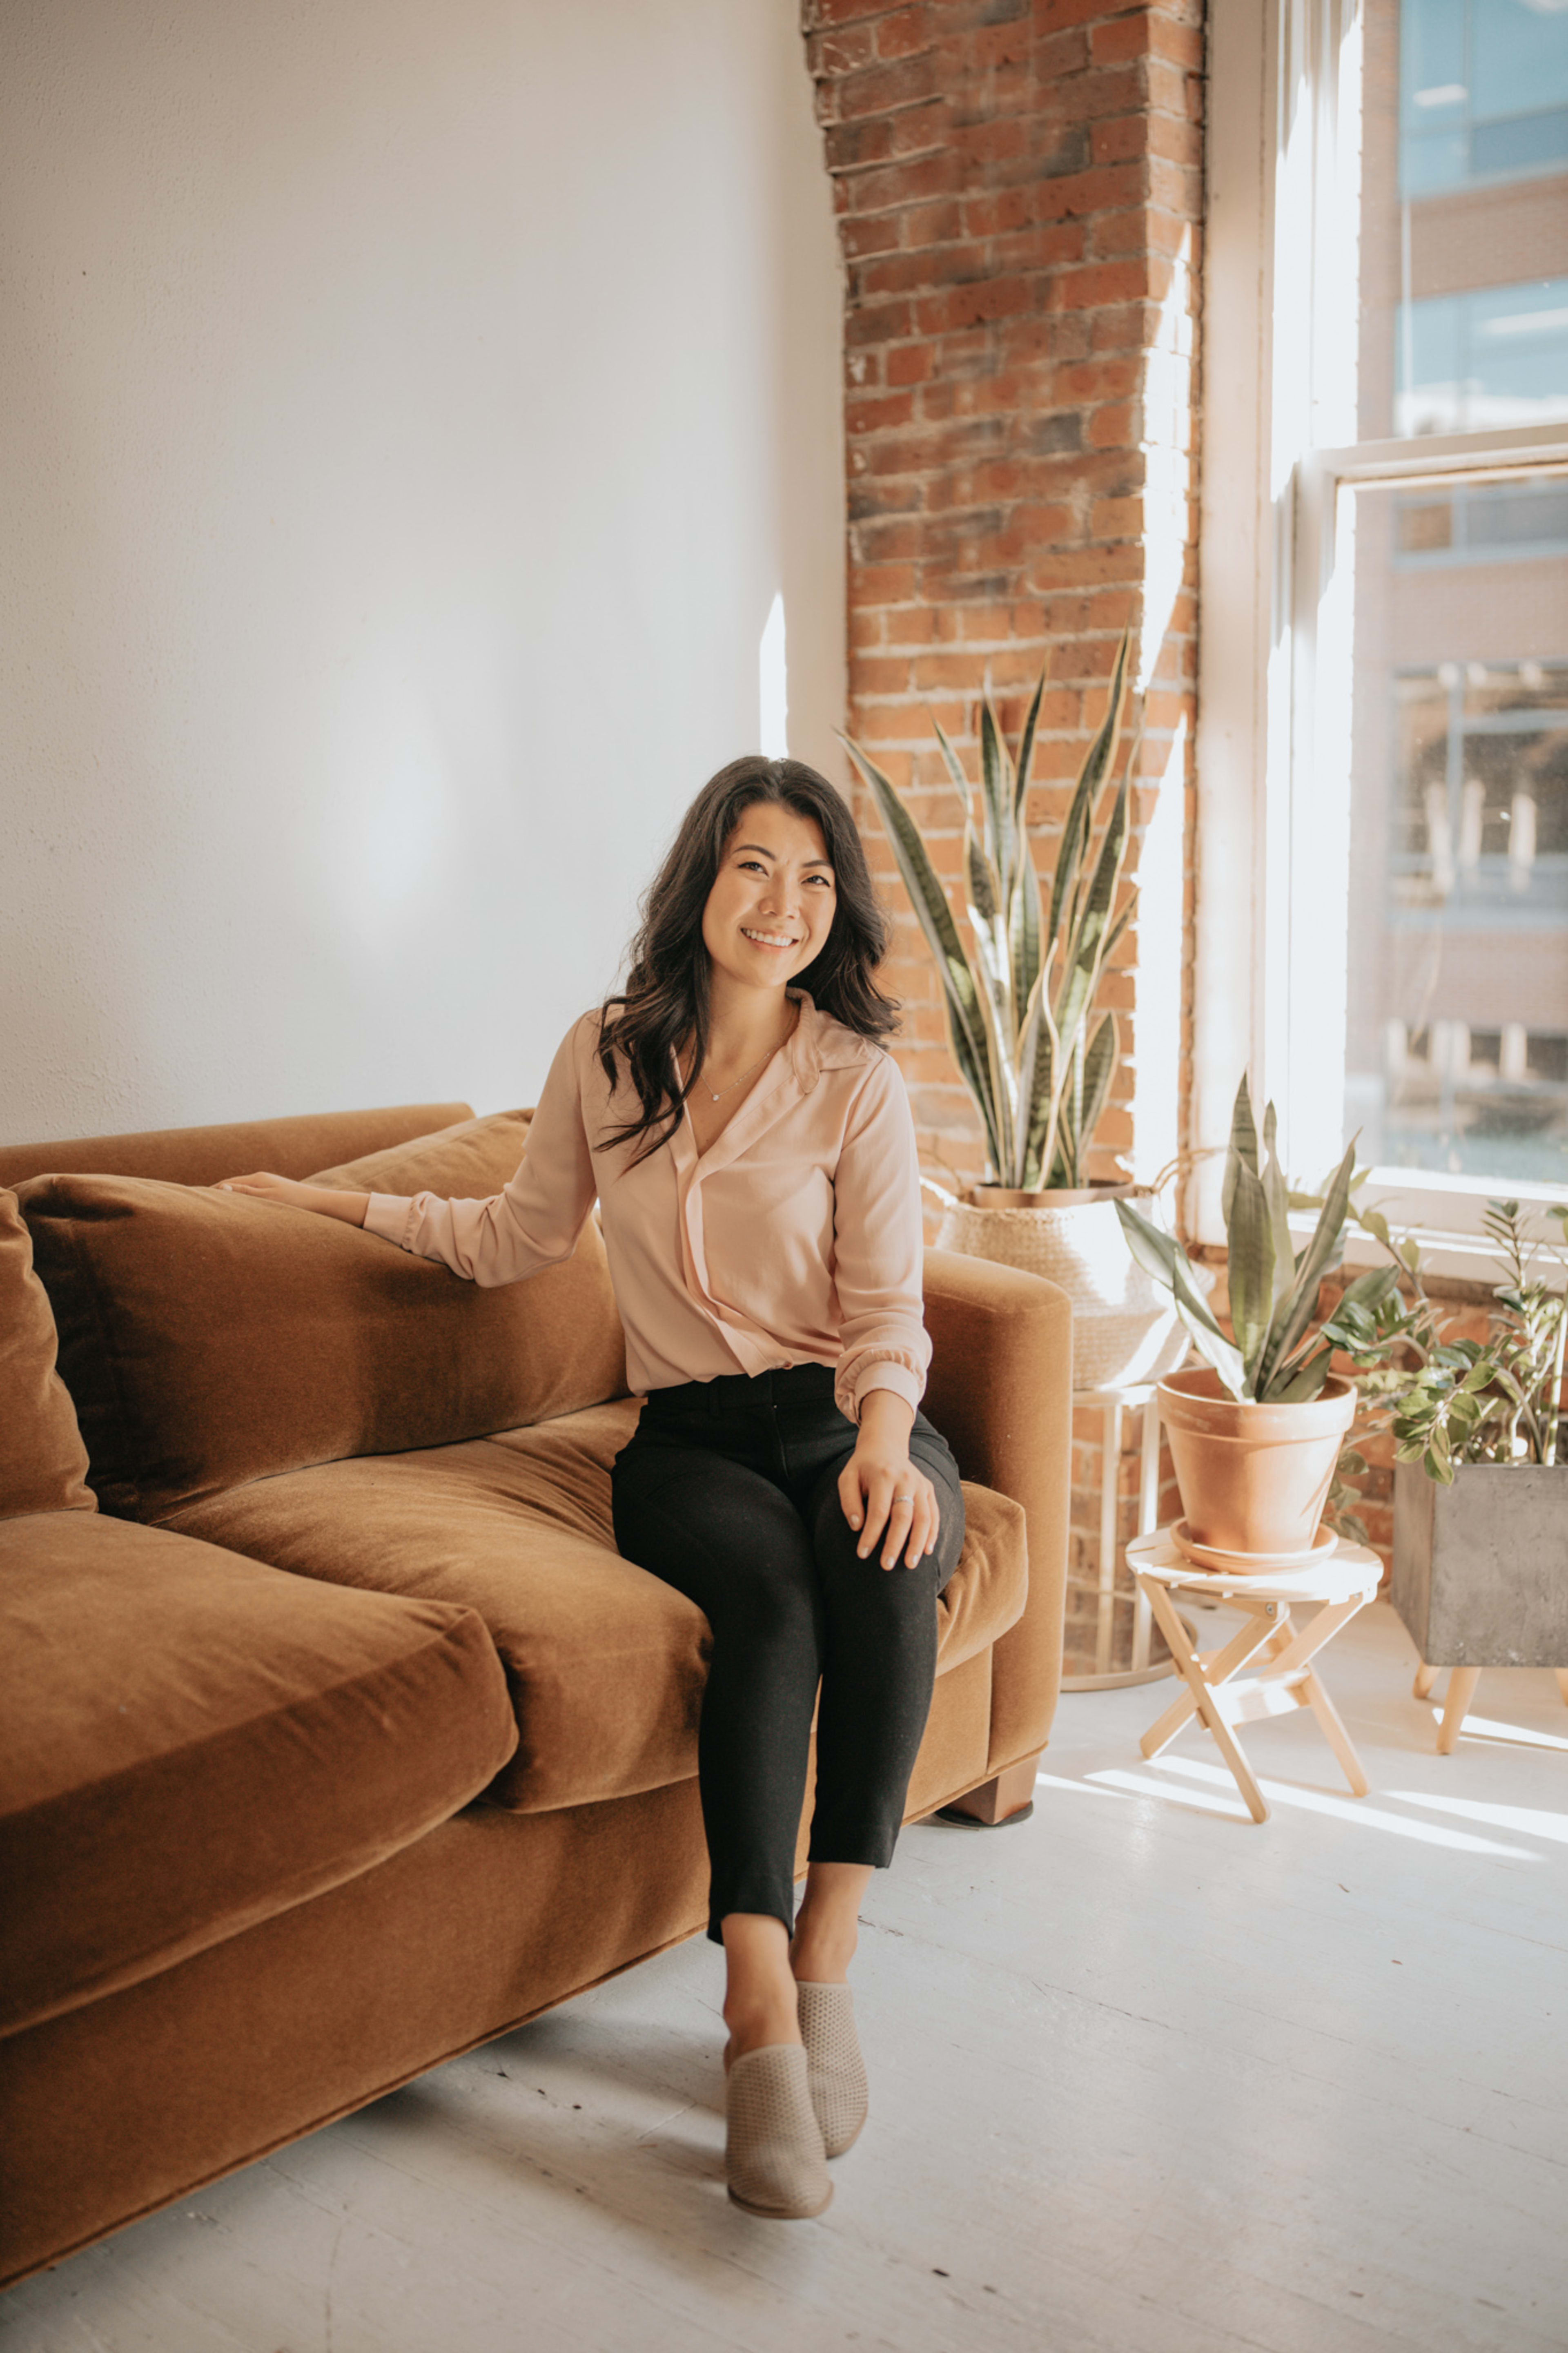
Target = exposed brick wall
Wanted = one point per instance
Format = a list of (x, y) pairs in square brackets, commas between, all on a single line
[(1018, 190)]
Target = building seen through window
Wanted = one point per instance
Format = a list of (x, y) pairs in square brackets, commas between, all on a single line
[(1458, 1040)]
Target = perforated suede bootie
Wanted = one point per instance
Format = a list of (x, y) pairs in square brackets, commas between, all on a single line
[(834, 2069), (774, 2155)]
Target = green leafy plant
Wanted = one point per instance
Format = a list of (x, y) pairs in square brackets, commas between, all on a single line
[(1450, 1399), (1276, 1356), (1020, 1017)]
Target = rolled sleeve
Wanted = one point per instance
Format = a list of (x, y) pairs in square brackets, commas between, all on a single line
[(879, 1248)]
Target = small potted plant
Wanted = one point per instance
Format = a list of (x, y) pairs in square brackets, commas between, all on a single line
[(1481, 1494), (1037, 1057), (1255, 1432)]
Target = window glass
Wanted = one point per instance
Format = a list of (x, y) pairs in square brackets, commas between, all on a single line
[(1456, 1054), (1457, 1042), (1483, 91), (1494, 355)]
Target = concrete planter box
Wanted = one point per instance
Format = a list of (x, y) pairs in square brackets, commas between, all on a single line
[(1480, 1568)]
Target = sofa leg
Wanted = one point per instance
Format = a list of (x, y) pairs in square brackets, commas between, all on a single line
[(1009, 1798)]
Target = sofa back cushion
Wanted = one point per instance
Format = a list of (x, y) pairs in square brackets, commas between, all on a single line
[(43, 1462), (200, 1156), (208, 1338)]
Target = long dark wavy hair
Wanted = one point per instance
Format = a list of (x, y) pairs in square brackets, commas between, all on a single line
[(665, 1001)]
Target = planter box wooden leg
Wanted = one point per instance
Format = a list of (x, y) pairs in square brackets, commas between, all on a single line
[(998, 1801), (1462, 1684)]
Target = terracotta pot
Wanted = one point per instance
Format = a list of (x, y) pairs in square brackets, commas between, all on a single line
[(1254, 1478)]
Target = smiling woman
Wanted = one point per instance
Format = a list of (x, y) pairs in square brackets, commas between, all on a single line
[(753, 1153)]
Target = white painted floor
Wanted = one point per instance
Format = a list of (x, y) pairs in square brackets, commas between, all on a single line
[(1146, 2077)]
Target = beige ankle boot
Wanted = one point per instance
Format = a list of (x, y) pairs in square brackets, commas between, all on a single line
[(834, 2069), (774, 2154)]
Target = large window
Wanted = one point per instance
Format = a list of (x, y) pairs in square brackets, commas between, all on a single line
[(1404, 820)]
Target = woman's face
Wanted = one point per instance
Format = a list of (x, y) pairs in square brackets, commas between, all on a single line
[(773, 901)]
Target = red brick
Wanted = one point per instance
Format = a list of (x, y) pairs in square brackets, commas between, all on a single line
[(886, 323), (911, 364), (1120, 38), (967, 306), (904, 184), (878, 234), (882, 88), (925, 225), (855, 146), (841, 52), (876, 415), (906, 33), (818, 13)]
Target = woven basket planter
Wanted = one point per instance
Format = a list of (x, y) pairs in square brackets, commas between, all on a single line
[(1125, 1328)]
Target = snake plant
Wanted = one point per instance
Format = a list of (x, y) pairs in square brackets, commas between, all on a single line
[(1020, 1018), (1275, 1358)]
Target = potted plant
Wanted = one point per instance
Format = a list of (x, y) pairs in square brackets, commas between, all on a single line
[(1480, 1498), (1037, 1055), (1256, 1433)]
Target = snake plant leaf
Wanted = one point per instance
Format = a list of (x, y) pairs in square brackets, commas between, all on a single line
[(1036, 1079), (1306, 1381), (996, 789), (1296, 1309), (934, 916), (1250, 1237), (1024, 923), (975, 1077), (1084, 958), (1099, 1070), (1090, 776), (1034, 1089), (982, 901), (1242, 1150), (1160, 1255), (1275, 1193), (1026, 757), (955, 769)]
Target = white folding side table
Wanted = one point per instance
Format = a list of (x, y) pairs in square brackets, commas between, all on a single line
[(1285, 1676)]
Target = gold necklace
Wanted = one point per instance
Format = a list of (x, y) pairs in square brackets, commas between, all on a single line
[(756, 1066)]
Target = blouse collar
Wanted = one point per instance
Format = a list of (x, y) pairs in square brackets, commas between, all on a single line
[(819, 1043)]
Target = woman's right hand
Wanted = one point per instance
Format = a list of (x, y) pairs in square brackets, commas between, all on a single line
[(290, 1194)]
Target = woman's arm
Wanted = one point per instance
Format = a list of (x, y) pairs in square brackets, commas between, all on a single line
[(533, 1225), (878, 1268), (880, 1250), (289, 1195)]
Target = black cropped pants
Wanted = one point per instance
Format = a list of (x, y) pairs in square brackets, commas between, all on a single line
[(728, 1490)]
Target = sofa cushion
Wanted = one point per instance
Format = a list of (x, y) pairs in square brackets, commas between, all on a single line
[(606, 1662), (200, 1156), (466, 1161), (195, 1742), (209, 1337), (43, 1462)]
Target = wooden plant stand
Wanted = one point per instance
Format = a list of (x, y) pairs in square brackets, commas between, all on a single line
[(1281, 1655)]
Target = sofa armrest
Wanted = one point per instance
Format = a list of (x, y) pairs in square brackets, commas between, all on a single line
[(1000, 1391)]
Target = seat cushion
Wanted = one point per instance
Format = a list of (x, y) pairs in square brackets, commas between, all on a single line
[(607, 1663), (43, 1462), (195, 1742), (209, 1337)]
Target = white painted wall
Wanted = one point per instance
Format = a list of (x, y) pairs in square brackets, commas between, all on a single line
[(409, 415)]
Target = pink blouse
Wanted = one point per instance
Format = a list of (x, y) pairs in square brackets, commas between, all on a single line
[(795, 1239)]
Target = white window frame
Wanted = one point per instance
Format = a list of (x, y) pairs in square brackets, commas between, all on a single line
[(1276, 568)]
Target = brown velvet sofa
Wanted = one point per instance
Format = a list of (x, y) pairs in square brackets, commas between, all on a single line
[(338, 1738)]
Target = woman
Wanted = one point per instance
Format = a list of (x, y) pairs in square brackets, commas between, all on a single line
[(751, 1149)]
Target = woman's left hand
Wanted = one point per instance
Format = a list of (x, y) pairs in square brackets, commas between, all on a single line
[(880, 1486)]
